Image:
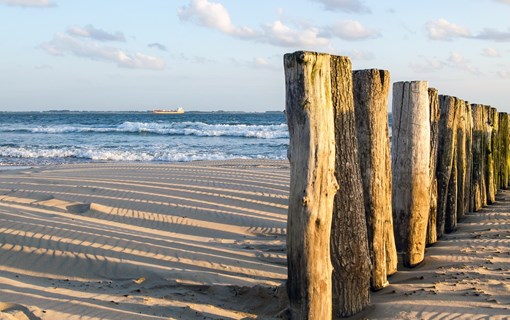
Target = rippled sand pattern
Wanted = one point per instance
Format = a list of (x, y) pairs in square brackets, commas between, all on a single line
[(205, 240), (144, 241), (466, 275)]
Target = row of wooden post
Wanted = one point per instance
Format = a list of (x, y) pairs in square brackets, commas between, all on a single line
[(354, 202)]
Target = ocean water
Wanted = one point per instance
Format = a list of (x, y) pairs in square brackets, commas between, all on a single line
[(41, 138)]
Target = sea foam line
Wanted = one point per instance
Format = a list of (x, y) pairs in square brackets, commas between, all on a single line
[(272, 131)]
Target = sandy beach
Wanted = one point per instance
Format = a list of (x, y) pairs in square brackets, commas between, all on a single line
[(205, 240)]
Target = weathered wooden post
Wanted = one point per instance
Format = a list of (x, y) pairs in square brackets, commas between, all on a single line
[(504, 150), (313, 185), (461, 164), (478, 193), (434, 141), (469, 157), (495, 150), (371, 89), (445, 157), (450, 216), (411, 178), (489, 161), (349, 240)]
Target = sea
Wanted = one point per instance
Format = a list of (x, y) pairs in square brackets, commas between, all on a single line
[(59, 137)]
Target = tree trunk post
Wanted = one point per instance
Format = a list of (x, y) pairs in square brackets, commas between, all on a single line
[(445, 157), (460, 149), (489, 160), (349, 240), (370, 88), (495, 150), (411, 178), (469, 158), (313, 185), (504, 150), (478, 192), (434, 141), (450, 217)]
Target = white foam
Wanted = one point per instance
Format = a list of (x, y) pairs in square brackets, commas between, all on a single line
[(275, 131), (104, 154)]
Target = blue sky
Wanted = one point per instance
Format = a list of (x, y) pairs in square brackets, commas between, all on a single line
[(226, 54)]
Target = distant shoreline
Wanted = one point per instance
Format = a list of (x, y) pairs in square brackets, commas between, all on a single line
[(143, 112)]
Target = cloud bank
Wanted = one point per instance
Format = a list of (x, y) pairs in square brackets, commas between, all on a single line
[(215, 16), (352, 30), (86, 45), (29, 3), (442, 29)]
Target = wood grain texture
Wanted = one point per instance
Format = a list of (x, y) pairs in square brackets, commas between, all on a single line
[(349, 240), (434, 143), (411, 177), (504, 150), (371, 89), (445, 159), (478, 193), (313, 185)]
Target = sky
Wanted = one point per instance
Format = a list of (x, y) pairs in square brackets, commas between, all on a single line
[(228, 55)]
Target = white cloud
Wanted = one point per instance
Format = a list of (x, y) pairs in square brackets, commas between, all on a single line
[(504, 1), (212, 15), (349, 6), (352, 30), (260, 62), (491, 52), (360, 55), (444, 30), (457, 60), (28, 3), (279, 34), (215, 16), (64, 43), (91, 32)]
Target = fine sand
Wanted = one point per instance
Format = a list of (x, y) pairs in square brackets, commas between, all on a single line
[(204, 240)]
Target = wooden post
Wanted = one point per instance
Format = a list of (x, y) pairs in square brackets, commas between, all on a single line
[(370, 88), (460, 154), (495, 151), (349, 240), (469, 157), (313, 185), (446, 151), (450, 215), (411, 178), (434, 141), (489, 173), (478, 193), (504, 150)]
